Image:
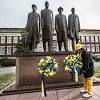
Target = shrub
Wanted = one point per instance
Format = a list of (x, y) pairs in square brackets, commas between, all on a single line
[(22, 44), (7, 62)]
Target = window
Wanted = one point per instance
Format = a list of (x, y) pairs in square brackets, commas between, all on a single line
[(14, 49), (9, 39), (88, 47), (96, 39), (93, 47), (97, 48), (15, 39), (87, 39), (9, 50), (2, 50), (92, 38), (83, 38), (2, 39)]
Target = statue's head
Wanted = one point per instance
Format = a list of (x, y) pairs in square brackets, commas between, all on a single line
[(73, 10), (34, 7), (60, 10), (47, 4)]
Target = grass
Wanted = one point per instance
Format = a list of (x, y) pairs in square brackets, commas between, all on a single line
[(6, 79), (97, 72)]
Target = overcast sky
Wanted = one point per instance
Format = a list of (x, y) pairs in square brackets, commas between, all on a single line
[(13, 13)]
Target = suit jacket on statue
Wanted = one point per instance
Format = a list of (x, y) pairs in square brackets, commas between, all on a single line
[(61, 27), (33, 28), (73, 26), (46, 23)]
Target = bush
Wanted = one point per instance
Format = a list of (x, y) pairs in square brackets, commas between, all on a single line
[(7, 62)]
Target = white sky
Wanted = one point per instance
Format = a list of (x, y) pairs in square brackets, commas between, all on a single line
[(13, 13)]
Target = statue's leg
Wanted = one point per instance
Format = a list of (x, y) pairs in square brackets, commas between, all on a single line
[(65, 40), (76, 38), (44, 46), (59, 45), (49, 45), (66, 45), (73, 44), (50, 41), (30, 46)]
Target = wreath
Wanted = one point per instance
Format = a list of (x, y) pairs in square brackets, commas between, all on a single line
[(73, 64), (47, 67)]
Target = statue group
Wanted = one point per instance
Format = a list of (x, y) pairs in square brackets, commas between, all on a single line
[(63, 29)]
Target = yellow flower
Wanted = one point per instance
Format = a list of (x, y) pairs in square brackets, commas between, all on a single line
[(42, 60), (51, 73), (66, 58), (68, 69), (39, 64), (72, 59), (46, 70), (49, 58), (56, 65), (46, 74), (78, 55), (47, 61), (41, 71), (43, 64)]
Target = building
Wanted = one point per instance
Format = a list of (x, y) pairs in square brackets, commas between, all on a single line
[(9, 37)]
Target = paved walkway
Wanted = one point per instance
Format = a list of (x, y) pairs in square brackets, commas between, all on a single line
[(65, 94)]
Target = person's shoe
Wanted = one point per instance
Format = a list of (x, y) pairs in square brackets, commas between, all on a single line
[(83, 91), (87, 95)]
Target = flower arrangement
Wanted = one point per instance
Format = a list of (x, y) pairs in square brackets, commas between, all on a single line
[(73, 64), (47, 67)]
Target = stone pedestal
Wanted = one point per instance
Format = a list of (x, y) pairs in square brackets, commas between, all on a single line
[(27, 64)]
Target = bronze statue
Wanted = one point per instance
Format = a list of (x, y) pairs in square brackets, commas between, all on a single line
[(47, 26), (61, 29), (33, 28), (73, 27)]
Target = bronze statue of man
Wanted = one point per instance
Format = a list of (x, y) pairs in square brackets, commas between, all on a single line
[(47, 26), (73, 28), (33, 29), (61, 29)]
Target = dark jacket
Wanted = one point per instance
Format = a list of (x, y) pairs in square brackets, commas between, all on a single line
[(88, 64)]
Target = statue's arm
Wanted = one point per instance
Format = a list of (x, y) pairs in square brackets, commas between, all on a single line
[(56, 26), (39, 22), (28, 23), (78, 24), (42, 22), (66, 22), (52, 20)]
